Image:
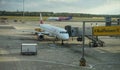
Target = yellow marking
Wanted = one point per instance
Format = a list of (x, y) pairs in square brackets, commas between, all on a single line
[(5, 59), (3, 52), (106, 30)]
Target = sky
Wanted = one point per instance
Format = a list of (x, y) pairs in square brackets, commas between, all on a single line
[(111, 7)]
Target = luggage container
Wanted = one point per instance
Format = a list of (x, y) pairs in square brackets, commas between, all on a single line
[(29, 48)]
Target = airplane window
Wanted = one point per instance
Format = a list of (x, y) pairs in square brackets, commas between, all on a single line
[(63, 32)]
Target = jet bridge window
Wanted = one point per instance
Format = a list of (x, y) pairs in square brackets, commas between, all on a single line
[(62, 32)]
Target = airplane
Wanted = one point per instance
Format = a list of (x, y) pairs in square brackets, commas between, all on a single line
[(60, 18), (52, 31)]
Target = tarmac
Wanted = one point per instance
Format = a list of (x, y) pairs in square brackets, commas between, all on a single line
[(52, 55)]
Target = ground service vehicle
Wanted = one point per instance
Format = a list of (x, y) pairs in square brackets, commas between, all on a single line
[(29, 48)]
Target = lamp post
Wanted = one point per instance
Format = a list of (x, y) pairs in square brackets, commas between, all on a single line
[(23, 12), (82, 60), (23, 8)]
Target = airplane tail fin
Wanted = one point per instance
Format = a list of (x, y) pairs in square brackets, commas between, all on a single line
[(70, 17), (41, 20)]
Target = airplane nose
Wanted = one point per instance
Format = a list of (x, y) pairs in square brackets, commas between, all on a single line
[(65, 37)]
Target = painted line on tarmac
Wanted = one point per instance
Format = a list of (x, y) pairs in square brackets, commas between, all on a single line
[(89, 66), (101, 51), (51, 62), (2, 51)]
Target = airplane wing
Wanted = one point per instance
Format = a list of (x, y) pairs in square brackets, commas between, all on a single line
[(36, 31), (44, 33), (25, 31)]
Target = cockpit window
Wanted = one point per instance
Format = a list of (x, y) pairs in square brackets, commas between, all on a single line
[(63, 32)]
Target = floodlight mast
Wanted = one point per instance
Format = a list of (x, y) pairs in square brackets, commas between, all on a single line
[(82, 60), (23, 7), (23, 11)]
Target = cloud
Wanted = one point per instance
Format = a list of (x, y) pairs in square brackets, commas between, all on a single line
[(108, 8), (99, 7), (2, 2), (10, 5), (67, 1), (71, 6)]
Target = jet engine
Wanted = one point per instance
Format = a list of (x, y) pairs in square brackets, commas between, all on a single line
[(51, 35), (40, 37)]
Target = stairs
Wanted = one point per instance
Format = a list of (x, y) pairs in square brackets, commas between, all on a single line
[(95, 41)]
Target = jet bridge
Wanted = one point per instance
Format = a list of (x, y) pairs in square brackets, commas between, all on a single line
[(89, 34), (78, 32)]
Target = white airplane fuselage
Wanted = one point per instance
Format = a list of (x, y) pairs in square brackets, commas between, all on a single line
[(54, 31)]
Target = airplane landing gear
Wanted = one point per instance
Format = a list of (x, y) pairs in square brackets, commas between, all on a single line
[(62, 42), (93, 44)]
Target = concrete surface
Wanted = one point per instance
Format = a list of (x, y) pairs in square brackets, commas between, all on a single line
[(54, 56)]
